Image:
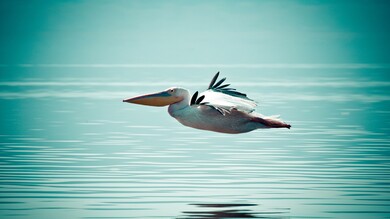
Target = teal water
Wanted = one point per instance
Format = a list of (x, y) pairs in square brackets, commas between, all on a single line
[(70, 148)]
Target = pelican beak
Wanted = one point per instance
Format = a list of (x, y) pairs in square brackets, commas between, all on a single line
[(156, 99)]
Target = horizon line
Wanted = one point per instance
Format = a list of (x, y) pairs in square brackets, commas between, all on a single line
[(271, 66)]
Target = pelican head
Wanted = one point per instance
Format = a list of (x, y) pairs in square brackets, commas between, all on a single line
[(167, 97)]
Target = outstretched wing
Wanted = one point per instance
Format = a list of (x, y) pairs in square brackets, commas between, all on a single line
[(222, 98)]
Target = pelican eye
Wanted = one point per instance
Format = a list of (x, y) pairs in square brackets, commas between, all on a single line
[(170, 90)]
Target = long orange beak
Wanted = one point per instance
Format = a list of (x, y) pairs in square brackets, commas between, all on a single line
[(156, 99)]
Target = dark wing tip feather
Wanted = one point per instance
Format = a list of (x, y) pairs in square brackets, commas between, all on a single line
[(199, 100), (194, 97), (235, 93), (213, 80), (224, 88), (225, 85), (219, 83), (195, 100)]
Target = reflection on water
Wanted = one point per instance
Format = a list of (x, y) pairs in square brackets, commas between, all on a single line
[(217, 211), (74, 150)]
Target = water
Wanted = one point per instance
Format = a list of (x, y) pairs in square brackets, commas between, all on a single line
[(71, 149)]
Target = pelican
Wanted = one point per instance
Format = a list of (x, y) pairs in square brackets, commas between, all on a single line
[(219, 108)]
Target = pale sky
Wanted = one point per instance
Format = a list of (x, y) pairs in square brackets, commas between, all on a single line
[(194, 32)]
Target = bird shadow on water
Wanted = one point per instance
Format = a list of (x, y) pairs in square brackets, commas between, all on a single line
[(220, 211)]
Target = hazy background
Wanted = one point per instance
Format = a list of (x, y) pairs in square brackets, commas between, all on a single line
[(194, 32), (70, 148)]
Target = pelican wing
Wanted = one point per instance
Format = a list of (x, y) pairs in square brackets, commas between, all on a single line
[(222, 98)]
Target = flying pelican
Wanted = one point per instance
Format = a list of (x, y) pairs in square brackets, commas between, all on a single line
[(218, 109)]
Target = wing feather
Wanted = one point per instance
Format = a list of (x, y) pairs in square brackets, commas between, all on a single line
[(219, 83), (199, 100), (222, 98), (223, 88), (213, 80), (193, 99), (228, 102)]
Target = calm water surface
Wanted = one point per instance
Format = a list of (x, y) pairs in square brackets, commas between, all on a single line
[(70, 148)]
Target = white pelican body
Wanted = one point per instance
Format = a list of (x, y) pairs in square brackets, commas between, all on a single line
[(218, 109)]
